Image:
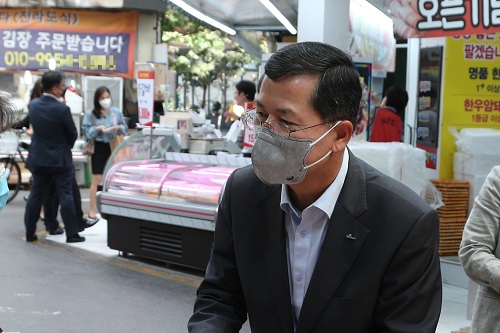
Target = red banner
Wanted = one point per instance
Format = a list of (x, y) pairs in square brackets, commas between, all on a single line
[(434, 18)]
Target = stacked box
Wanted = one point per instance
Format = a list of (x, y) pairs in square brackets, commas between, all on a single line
[(476, 155), (474, 169), (453, 215)]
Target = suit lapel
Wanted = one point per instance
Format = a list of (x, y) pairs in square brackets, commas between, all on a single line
[(274, 235), (343, 241)]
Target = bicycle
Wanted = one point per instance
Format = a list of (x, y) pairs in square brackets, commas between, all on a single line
[(10, 152)]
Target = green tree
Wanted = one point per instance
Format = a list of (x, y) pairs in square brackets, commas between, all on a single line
[(200, 54)]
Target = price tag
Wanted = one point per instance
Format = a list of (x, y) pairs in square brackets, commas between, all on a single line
[(249, 138)]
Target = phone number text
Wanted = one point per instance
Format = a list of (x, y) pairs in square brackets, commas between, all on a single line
[(82, 62)]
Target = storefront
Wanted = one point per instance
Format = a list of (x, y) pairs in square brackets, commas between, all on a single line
[(92, 43), (80, 40)]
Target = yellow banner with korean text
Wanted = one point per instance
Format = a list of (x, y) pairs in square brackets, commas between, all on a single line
[(471, 94), (79, 41)]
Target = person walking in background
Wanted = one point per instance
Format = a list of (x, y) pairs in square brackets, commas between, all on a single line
[(101, 124), (244, 95), (50, 226), (48, 213), (480, 254), (36, 92), (325, 242), (50, 158), (387, 124)]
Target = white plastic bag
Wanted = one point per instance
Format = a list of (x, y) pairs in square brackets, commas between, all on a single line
[(234, 131)]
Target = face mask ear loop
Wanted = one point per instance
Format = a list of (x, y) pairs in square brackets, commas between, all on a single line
[(326, 133), (329, 152), (321, 159)]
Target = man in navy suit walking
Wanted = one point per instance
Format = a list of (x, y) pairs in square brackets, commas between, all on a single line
[(50, 157)]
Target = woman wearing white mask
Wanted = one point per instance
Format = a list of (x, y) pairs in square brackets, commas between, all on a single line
[(101, 124)]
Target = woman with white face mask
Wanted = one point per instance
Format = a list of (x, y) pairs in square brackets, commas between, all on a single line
[(101, 124)]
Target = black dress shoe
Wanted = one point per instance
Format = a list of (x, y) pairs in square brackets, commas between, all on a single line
[(87, 223), (75, 239), (57, 231), (32, 238)]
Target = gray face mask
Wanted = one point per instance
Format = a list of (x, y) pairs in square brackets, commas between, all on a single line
[(278, 159)]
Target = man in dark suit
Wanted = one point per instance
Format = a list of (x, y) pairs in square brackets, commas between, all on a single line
[(310, 238), (50, 157)]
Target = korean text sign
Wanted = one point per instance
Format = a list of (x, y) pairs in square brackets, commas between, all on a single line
[(433, 18), (471, 95), (145, 96), (78, 41)]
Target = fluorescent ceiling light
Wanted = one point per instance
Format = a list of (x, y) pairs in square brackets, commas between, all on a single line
[(203, 17), (279, 16)]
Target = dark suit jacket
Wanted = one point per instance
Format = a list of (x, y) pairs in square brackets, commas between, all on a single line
[(387, 279), (54, 134)]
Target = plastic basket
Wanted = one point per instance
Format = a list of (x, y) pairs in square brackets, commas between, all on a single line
[(8, 143)]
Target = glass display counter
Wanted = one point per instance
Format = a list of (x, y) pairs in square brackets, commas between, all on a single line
[(163, 207)]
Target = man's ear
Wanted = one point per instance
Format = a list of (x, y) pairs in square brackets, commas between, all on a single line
[(344, 132)]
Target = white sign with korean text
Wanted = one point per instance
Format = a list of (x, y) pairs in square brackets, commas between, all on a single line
[(145, 96), (249, 135)]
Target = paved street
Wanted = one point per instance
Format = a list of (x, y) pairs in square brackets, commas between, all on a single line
[(47, 286)]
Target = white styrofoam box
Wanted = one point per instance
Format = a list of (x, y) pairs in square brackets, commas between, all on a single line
[(8, 142), (478, 141), (396, 159), (475, 183), (75, 102), (474, 164)]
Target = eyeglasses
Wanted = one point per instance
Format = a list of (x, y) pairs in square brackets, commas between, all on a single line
[(253, 121)]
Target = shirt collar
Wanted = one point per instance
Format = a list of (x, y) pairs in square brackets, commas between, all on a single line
[(326, 202), (53, 96)]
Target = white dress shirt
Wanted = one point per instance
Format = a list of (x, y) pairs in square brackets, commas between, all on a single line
[(305, 234)]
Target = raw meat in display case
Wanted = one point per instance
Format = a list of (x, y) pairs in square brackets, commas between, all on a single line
[(165, 209)]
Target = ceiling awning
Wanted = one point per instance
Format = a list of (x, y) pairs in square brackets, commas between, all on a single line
[(246, 16), (253, 15)]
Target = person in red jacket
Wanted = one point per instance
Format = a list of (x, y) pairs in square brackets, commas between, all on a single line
[(387, 125)]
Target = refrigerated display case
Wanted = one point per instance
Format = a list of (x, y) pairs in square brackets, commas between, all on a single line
[(164, 208)]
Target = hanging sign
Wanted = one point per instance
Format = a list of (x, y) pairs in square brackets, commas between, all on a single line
[(435, 18), (77, 41), (249, 135), (145, 96), (372, 37)]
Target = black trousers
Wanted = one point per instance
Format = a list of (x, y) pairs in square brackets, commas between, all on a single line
[(42, 178), (51, 206)]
